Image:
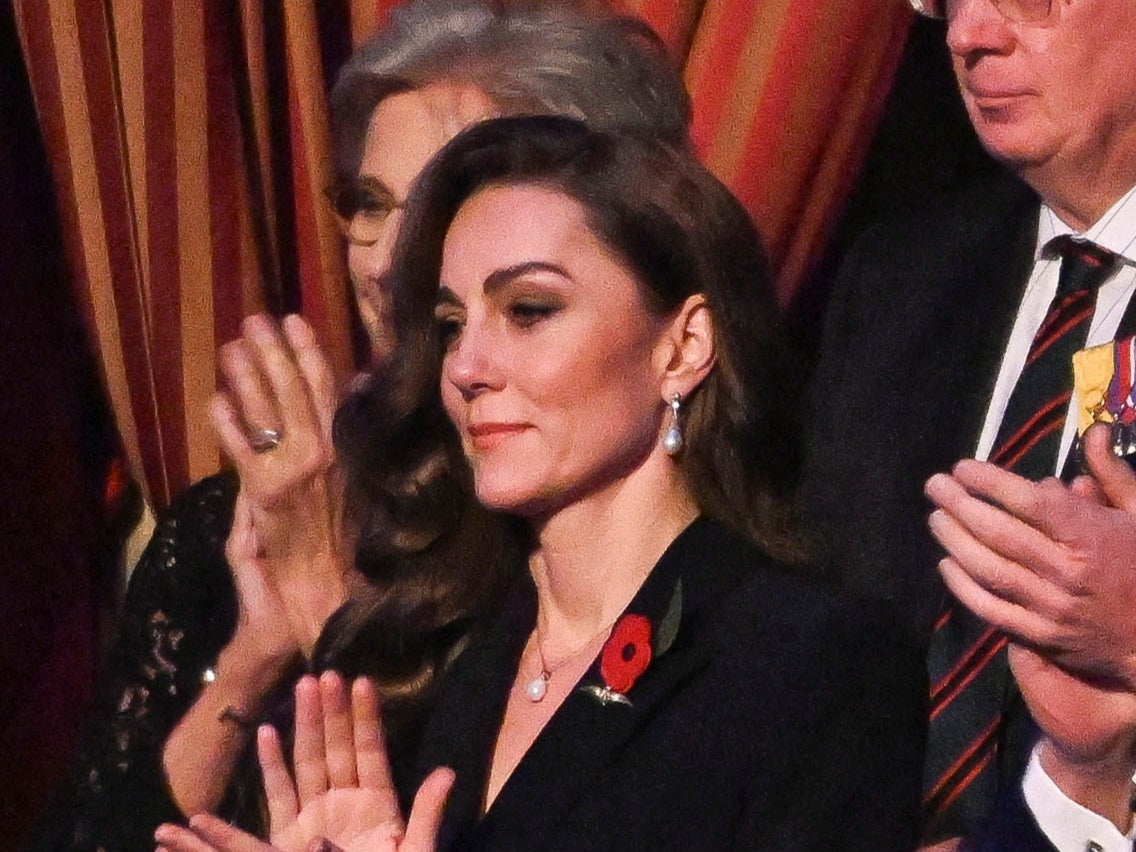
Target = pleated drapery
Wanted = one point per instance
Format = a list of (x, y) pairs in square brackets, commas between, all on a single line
[(189, 146)]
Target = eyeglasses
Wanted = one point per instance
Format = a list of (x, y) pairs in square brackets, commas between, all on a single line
[(1015, 11), (361, 207)]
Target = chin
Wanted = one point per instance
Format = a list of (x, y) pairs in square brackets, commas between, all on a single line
[(1011, 139), (516, 498)]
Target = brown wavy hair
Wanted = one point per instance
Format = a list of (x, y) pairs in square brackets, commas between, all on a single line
[(424, 540)]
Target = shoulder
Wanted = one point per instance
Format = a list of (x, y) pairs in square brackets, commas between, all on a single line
[(766, 614), (184, 562), (819, 644), (801, 621), (950, 223)]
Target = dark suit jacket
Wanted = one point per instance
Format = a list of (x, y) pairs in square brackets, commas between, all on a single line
[(914, 338), (1010, 829), (781, 718)]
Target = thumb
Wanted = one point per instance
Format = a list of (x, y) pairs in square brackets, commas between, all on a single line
[(1115, 478), (426, 813)]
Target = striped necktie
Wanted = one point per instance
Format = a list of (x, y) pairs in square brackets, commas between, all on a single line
[(970, 681)]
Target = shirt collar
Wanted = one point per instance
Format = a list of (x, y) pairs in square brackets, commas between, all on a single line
[(1115, 230)]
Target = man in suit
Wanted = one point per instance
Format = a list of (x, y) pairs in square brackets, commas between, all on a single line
[(936, 350)]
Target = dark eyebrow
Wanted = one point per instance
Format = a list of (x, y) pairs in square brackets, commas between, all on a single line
[(498, 279), (376, 186)]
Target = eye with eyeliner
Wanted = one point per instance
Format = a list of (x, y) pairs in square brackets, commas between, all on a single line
[(527, 312), (447, 324)]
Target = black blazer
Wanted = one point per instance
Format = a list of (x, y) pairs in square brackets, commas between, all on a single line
[(781, 718)]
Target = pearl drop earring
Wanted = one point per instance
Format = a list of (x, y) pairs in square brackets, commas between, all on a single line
[(672, 440)]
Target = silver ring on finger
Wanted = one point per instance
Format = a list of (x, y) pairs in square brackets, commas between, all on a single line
[(265, 440)]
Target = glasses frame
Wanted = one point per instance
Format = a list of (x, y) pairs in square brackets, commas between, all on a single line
[(928, 9), (356, 201)]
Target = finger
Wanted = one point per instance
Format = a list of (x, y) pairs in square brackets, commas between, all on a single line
[(279, 791), (1115, 477), (1042, 505), (315, 368), (1016, 621), (370, 744), (426, 813), (225, 837), (247, 381), (289, 386), (1089, 489), (177, 838), (999, 576), (308, 754), (992, 527), (338, 731), (232, 434)]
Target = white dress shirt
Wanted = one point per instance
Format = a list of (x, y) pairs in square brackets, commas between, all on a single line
[(1070, 827)]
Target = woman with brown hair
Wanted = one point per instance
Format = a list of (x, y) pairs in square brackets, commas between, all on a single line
[(590, 370), (207, 645)]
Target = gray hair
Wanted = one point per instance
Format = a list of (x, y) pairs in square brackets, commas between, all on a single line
[(557, 57)]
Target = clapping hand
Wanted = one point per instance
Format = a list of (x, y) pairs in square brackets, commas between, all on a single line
[(342, 795), (1051, 565), (273, 419), (1054, 567)]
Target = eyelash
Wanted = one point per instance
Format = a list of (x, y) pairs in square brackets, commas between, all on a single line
[(527, 314), (524, 314), (448, 328)]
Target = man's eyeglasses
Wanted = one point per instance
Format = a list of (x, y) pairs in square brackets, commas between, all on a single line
[(361, 208), (1015, 11)]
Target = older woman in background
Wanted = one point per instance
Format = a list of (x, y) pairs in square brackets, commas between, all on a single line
[(604, 375), (205, 642)]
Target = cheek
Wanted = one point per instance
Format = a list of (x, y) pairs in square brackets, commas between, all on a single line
[(604, 391), (452, 400)]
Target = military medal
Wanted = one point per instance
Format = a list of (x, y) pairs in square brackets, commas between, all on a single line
[(1105, 383)]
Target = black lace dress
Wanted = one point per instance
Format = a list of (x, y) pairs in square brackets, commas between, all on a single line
[(180, 611)]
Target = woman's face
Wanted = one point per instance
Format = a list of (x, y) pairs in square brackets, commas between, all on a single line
[(405, 131), (553, 365)]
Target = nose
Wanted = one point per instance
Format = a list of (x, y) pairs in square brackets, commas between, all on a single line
[(976, 28), (471, 365)]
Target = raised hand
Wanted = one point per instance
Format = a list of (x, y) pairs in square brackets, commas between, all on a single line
[(274, 421), (1054, 566), (342, 795), (263, 628)]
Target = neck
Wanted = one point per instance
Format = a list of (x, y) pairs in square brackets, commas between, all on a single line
[(592, 556), (1080, 196)]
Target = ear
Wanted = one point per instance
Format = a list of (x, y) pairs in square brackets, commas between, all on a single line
[(686, 352)]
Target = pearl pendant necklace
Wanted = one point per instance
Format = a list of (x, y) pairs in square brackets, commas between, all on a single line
[(537, 688)]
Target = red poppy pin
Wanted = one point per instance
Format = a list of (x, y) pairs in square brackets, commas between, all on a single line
[(629, 650)]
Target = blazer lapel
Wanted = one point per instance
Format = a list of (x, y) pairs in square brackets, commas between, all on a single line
[(585, 734), (462, 729)]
